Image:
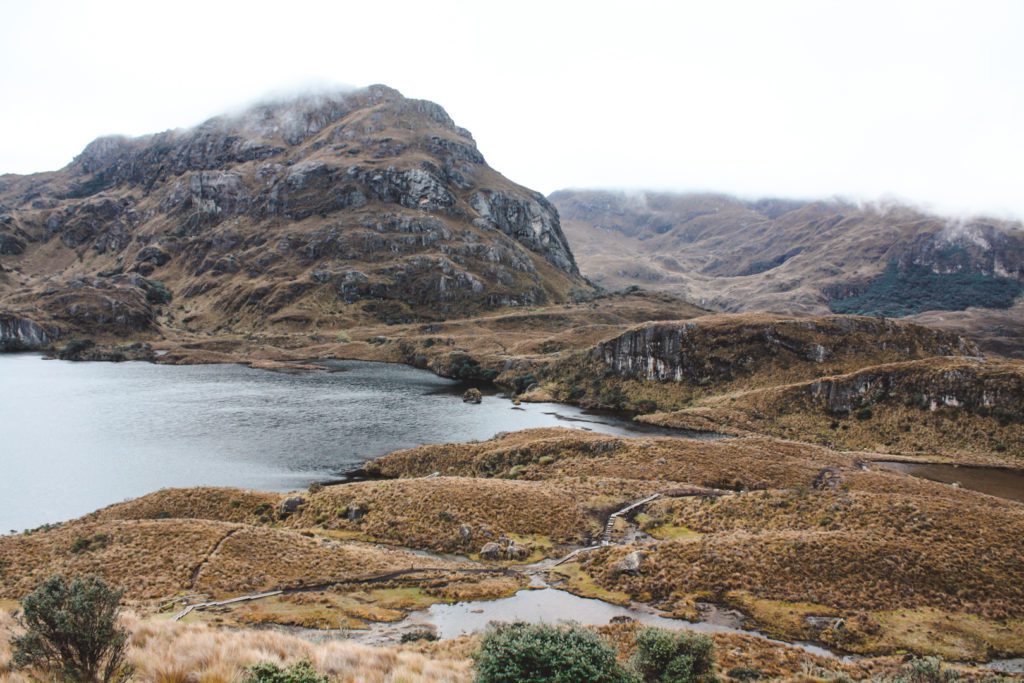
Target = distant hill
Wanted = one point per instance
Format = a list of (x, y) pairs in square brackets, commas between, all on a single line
[(806, 257), (324, 210)]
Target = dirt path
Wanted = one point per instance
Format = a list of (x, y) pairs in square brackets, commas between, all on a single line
[(213, 551)]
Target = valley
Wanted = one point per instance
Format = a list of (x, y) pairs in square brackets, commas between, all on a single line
[(700, 424)]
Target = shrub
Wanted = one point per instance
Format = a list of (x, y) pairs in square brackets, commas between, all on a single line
[(300, 672), (71, 628), (864, 414), (646, 406), (926, 670), (156, 292), (84, 544), (539, 653), (745, 673), (666, 657)]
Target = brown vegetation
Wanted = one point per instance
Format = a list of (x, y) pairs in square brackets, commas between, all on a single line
[(962, 409)]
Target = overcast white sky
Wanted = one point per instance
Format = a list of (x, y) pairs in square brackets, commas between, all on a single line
[(917, 100)]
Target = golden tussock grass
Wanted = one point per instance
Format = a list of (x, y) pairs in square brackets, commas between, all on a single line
[(960, 409), (153, 559), (560, 454), (202, 502), (461, 514), (167, 652)]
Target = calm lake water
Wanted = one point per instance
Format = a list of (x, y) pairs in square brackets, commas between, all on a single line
[(78, 436), (994, 481)]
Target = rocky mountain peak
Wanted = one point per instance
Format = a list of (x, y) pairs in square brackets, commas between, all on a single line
[(376, 203)]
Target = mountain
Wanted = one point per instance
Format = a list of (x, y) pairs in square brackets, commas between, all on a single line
[(322, 211), (801, 257)]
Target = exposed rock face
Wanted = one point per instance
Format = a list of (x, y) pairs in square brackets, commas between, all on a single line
[(22, 334), (330, 209), (972, 386), (701, 352)]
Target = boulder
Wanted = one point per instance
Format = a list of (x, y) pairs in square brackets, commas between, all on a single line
[(472, 395), (355, 512), (504, 549), (291, 504), (491, 552), (630, 564)]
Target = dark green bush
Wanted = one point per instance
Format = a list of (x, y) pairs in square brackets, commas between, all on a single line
[(745, 673), (539, 653), (84, 544), (71, 629), (156, 292), (300, 672), (667, 657), (905, 291)]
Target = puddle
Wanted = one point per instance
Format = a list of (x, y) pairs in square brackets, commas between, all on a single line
[(1006, 666), (552, 606), (995, 481)]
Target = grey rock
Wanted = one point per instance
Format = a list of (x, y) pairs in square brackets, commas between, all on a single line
[(631, 563), (22, 334), (291, 505), (472, 395), (531, 221), (355, 512), (491, 552)]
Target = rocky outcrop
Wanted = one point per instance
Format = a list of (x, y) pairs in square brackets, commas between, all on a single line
[(353, 204), (970, 385), (505, 549), (21, 334), (529, 220), (88, 350), (724, 349)]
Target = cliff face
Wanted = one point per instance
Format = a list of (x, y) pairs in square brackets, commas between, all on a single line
[(975, 387), (22, 334), (716, 351), (324, 210)]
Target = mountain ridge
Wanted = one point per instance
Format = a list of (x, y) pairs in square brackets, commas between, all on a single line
[(328, 209), (805, 257)]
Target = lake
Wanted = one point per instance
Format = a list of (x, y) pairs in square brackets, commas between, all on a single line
[(79, 436)]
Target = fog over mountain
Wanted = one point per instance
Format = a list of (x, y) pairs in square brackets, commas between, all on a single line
[(920, 100)]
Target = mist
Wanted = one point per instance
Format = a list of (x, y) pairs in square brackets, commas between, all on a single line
[(918, 101)]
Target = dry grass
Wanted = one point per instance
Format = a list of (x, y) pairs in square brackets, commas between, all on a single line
[(560, 454), (461, 514), (160, 559), (166, 652), (507, 344), (858, 551), (965, 410), (218, 504)]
